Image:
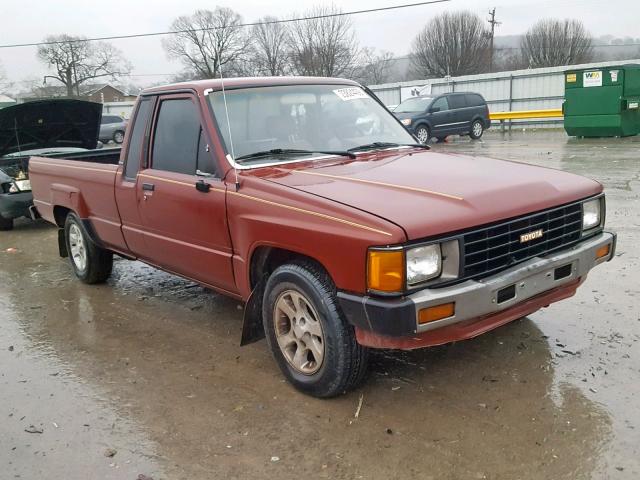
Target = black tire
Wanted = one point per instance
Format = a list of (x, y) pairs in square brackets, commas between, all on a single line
[(6, 224), (118, 136), (423, 134), (98, 261), (344, 364), (477, 129)]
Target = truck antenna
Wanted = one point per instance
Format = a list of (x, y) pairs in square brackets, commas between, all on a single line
[(226, 112), (15, 128)]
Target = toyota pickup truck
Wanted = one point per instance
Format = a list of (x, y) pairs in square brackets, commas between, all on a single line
[(307, 200)]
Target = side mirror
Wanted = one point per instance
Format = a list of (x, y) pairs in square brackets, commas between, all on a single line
[(434, 109)]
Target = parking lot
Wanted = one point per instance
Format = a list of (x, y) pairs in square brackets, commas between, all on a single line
[(145, 375)]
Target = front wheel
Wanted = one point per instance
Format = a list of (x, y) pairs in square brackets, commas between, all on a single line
[(90, 263), (6, 223), (477, 129), (307, 333), (118, 137), (423, 134)]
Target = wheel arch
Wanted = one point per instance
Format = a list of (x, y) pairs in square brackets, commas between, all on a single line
[(264, 259)]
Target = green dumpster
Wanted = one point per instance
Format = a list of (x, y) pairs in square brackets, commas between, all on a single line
[(602, 102)]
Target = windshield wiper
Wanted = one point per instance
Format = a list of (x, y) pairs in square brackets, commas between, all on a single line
[(381, 145), (293, 151)]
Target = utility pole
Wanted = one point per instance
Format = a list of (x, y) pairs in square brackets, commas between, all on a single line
[(494, 23)]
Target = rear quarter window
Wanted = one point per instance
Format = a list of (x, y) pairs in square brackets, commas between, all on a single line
[(475, 100), (138, 136)]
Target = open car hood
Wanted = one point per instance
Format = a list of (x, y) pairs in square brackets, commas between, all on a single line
[(49, 124)]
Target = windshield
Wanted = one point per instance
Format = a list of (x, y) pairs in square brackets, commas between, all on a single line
[(314, 118), (414, 105)]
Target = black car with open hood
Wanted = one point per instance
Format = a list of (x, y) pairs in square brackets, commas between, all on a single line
[(44, 128)]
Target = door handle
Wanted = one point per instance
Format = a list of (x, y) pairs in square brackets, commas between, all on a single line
[(149, 187), (203, 186)]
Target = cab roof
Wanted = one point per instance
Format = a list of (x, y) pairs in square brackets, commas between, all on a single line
[(244, 82)]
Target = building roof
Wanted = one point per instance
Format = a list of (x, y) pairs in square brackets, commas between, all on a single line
[(85, 89)]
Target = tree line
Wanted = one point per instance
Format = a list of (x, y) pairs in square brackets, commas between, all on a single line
[(211, 43)]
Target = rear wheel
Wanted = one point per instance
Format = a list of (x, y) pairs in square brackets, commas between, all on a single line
[(118, 137), (423, 133), (6, 223), (309, 338), (90, 263), (477, 129)]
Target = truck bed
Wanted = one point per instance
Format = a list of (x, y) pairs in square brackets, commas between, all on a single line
[(59, 183)]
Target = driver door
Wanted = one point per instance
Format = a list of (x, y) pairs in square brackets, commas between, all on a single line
[(181, 198)]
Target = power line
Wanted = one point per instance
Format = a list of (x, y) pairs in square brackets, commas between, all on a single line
[(251, 24)]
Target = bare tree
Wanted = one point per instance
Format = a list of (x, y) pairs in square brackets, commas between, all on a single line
[(451, 44), (76, 61), (375, 67), (208, 41), (323, 46), (551, 43), (270, 45)]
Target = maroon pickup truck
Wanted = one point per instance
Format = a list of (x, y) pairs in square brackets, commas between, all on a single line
[(306, 199)]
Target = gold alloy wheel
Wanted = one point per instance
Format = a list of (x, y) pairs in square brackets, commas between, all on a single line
[(299, 332)]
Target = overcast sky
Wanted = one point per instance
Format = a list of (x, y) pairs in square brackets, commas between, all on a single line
[(31, 20)]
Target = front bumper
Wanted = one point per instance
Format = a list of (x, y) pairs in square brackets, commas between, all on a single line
[(15, 205), (531, 285)]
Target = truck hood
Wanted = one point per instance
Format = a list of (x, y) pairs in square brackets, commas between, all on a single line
[(49, 124), (428, 193)]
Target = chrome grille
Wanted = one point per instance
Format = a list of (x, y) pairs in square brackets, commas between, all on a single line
[(493, 248)]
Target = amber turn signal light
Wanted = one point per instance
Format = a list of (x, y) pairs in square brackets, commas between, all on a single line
[(385, 270), (603, 251), (438, 312)]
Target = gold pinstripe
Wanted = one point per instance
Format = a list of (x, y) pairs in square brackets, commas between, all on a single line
[(256, 199), (162, 179), (309, 212), (268, 202), (373, 182)]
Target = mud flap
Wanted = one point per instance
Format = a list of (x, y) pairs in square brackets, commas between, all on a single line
[(62, 244), (252, 328)]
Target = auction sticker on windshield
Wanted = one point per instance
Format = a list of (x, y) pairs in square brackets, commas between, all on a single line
[(350, 93)]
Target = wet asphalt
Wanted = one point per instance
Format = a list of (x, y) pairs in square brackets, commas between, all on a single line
[(143, 377)]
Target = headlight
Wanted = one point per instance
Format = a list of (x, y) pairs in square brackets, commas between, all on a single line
[(406, 122), (591, 214), (423, 263), (13, 188)]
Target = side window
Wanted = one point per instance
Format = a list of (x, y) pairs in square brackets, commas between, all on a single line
[(136, 141), (441, 103), (176, 137), (457, 101), (474, 100)]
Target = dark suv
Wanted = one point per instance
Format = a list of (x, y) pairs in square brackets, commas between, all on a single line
[(442, 115)]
